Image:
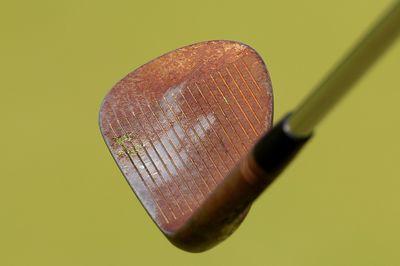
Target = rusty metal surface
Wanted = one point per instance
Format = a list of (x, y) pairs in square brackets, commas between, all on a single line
[(177, 125)]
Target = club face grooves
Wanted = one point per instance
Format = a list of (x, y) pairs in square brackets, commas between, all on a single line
[(177, 125)]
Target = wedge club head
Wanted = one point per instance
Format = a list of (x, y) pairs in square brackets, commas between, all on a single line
[(178, 126)]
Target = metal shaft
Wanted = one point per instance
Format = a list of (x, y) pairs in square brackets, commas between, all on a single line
[(314, 108)]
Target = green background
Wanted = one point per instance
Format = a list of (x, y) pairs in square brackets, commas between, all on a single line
[(63, 201)]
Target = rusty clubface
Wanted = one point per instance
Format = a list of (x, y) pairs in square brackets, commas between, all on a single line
[(179, 124)]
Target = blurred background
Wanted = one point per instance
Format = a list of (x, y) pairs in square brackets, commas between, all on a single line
[(63, 200)]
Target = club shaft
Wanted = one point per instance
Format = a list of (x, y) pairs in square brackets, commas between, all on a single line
[(327, 94)]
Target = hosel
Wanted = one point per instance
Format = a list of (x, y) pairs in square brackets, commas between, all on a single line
[(223, 211)]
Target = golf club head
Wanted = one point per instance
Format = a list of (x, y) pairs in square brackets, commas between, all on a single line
[(179, 125)]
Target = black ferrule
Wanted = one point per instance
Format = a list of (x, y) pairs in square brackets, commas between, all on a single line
[(277, 148)]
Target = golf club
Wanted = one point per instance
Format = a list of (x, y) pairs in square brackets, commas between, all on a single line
[(192, 132)]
